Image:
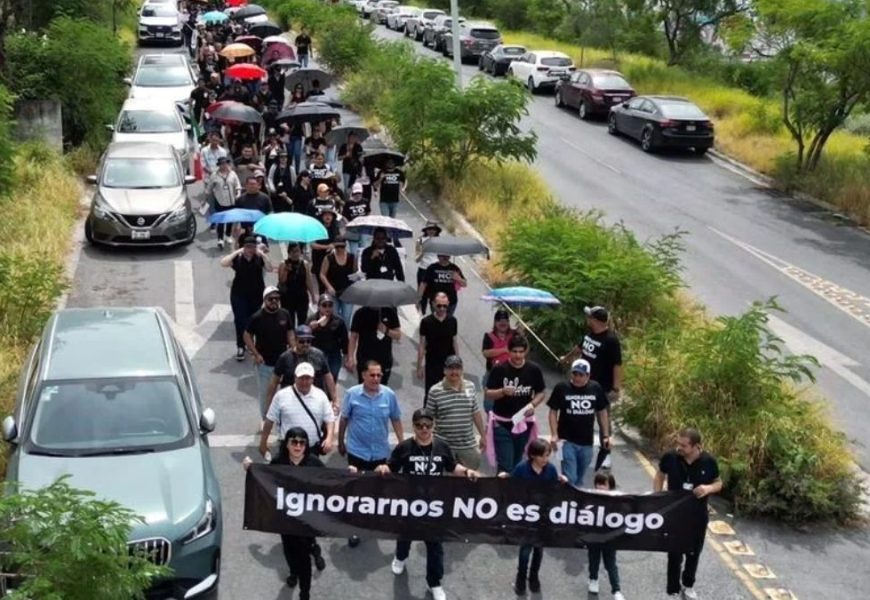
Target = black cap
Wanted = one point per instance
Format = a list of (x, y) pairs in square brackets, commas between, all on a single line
[(325, 298), (250, 240), (223, 160), (453, 361), (304, 332), (339, 240), (421, 414), (599, 313)]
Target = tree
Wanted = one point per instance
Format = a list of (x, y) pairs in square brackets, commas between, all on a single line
[(824, 54), (683, 20), (64, 544)]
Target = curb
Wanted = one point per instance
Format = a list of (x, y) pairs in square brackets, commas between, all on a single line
[(77, 243)]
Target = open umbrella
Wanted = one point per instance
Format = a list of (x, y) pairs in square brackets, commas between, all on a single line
[(339, 135), (249, 40), (307, 112), (265, 29), (291, 227), (236, 215), (307, 77), (276, 52), (277, 39), (256, 19), (454, 246), (378, 293), (229, 111), (367, 225), (251, 10), (214, 16), (377, 159), (521, 296), (246, 71), (286, 63), (237, 51)]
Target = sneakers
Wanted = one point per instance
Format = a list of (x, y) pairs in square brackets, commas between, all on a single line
[(317, 553), (689, 594), (220, 244), (240, 354), (353, 541), (398, 566), (520, 585), (593, 586), (292, 580), (534, 585), (618, 596), (437, 591)]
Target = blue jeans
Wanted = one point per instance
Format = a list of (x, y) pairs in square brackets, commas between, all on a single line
[(596, 551), (264, 376), (294, 149), (536, 554), (388, 209), (243, 308), (575, 461), (333, 360), (509, 448), (303, 60), (434, 560), (344, 310)]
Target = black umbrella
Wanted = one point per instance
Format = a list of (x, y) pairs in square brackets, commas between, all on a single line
[(306, 77), (251, 10), (287, 63), (264, 29), (377, 159), (378, 293), (307, 112), (328, 100), (235, 112), (454, 246), (339, 135)]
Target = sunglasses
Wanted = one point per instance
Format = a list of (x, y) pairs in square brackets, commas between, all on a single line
[(303, 341), (297, 442), (420, 425)]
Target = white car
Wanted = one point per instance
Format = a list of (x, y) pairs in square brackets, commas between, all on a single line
[(397, 18), (414, 26), (540, 69), (162, 78), (149, 121), (159, 23), (379, 14)]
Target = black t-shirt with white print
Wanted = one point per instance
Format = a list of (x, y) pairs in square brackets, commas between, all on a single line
[(411, 458), (391, 184), (439, 278), (603, 351), (577, 407), (528, 381)]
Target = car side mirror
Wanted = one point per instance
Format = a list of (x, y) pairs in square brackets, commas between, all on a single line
[(10, 429), (92, 179), (110, 127), (128, 80), (187, 127), (206, 421), (189, 179)]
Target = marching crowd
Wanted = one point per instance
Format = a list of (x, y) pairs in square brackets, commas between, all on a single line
[(287, 165)]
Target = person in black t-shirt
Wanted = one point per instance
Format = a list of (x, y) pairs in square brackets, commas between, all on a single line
[(601, 347), (320, 170), (574, 407), (246, 292), (330, 333), (372, 331), (437, 342), (303, 47), (351, 165), (442, 277), (267, 335), (381, 260), (517, 388), (424, 455), (691, 469), (301, 350), (199, 99), (252, 199), (390, 182)]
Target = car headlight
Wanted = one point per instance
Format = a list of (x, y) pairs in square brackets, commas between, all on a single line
[(101, 209), (179, 214), (204, 526)]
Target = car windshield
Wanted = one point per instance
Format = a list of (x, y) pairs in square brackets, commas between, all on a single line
[(556, 61), (148, 121), (163, 76), (431, 14), (513, 51), (109, 416), (485, 34), (681, 110), (610, 82), (159, 11), (138, 173)]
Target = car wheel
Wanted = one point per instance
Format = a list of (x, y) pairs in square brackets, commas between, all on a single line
[(480, 64), (583, 111), (531, 84), (611, 125), (700, 151), (89, 232), (191, 230), (558, 99), (646, 140)]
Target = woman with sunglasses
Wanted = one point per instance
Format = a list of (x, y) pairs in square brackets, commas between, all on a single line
[(297, 549)]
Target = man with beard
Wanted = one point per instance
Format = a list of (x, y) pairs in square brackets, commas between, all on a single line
[(267, 336)]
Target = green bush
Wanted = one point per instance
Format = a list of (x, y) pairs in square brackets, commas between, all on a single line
[(345, 44), (6, 147), (859, 124)]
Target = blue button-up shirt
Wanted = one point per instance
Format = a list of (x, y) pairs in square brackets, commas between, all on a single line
[(368, 421)]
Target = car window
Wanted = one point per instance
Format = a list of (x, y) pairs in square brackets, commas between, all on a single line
[(148, 121), (431, 14), (556, 61), (582, 79), (530, 58), (648, 107), (129, 173), (485, 34), (159, 11), (681, 110), (512, 51), (109, 415), (635, 103), (163, 76), (613, 82)]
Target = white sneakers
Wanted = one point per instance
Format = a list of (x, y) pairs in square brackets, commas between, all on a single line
[(220, 244), (689, 594), (438, 593), (618, 596), (398, 566), (593, 586)]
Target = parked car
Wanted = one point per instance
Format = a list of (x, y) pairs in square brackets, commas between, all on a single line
[(475, 38), (496, 61), (415, 26), (379, 14), (434, 36), (368, 8), (662, 122), (108, 397), (593, 91), (399, 16), (159, 23), (541, 69), (148, 121), (162, 77), (141, 197)]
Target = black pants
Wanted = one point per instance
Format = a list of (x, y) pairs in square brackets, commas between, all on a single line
[(364, 465), (424, 303), (297, 553), (434, 372), (675, 565), (243, 308), (298, 309)]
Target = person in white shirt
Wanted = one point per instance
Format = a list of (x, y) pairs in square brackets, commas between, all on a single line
[(304, 405), (211, 153), (222, 188)]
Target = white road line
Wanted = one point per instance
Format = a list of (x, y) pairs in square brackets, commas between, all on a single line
[(185, 311), (591, 157)]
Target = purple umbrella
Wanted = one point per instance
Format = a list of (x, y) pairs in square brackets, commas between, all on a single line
[(275, 52)]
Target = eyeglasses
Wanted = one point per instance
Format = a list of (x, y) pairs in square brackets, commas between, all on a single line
[(297, 442), (422, 425), (440, 306)]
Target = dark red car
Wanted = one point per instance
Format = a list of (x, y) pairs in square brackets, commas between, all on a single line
[(593, 91)]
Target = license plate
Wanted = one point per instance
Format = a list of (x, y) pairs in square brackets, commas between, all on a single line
[(161, 35), (141, 235), (690, 128)]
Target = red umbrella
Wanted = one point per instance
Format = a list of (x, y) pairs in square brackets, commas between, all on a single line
[(246, 71), (275, 52), (236, 3)]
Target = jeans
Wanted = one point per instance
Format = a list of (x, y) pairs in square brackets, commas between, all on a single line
[(596, 551), (294, 149), (223, 229), (344, 310), (331, 152), (434, 560), (536, 554), (297, 553), (675, 564), (264, 376), (388, 209), (575, 461), (333, 360), (509, 448), (243, 308), (303, 60)]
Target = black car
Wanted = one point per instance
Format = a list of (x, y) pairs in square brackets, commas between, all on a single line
[(662, 122), (496, 61), (475, 38)]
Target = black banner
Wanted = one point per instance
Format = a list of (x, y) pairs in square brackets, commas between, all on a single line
[(334, 503)]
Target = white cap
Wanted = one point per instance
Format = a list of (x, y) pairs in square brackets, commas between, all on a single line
[(581, 366), (270, 290), (304, 369)]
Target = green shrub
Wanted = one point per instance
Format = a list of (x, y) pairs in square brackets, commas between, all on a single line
[(345, 44), (859, 124), (6, 147)]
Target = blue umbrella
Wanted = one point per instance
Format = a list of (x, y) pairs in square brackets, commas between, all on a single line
[(215, 16), (291, 227), (521, 296), (236, 215)]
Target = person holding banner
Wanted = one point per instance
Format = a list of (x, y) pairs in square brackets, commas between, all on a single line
[(424, 455), (689, 468)]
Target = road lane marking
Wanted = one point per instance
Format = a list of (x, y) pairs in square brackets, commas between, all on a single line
[(591, 157), (185, 310), (759, 571)]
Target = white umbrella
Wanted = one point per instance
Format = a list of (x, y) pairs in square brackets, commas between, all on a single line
[(277, 39)]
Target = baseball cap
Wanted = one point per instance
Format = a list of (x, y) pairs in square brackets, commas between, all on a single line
[(223, 160), (356, 188), (270, 290), (325, 298), (581, 366), (599, 313), (304, 369), (421, 414), (339, 240), (250, 240), (453, 361), (304, 332)]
